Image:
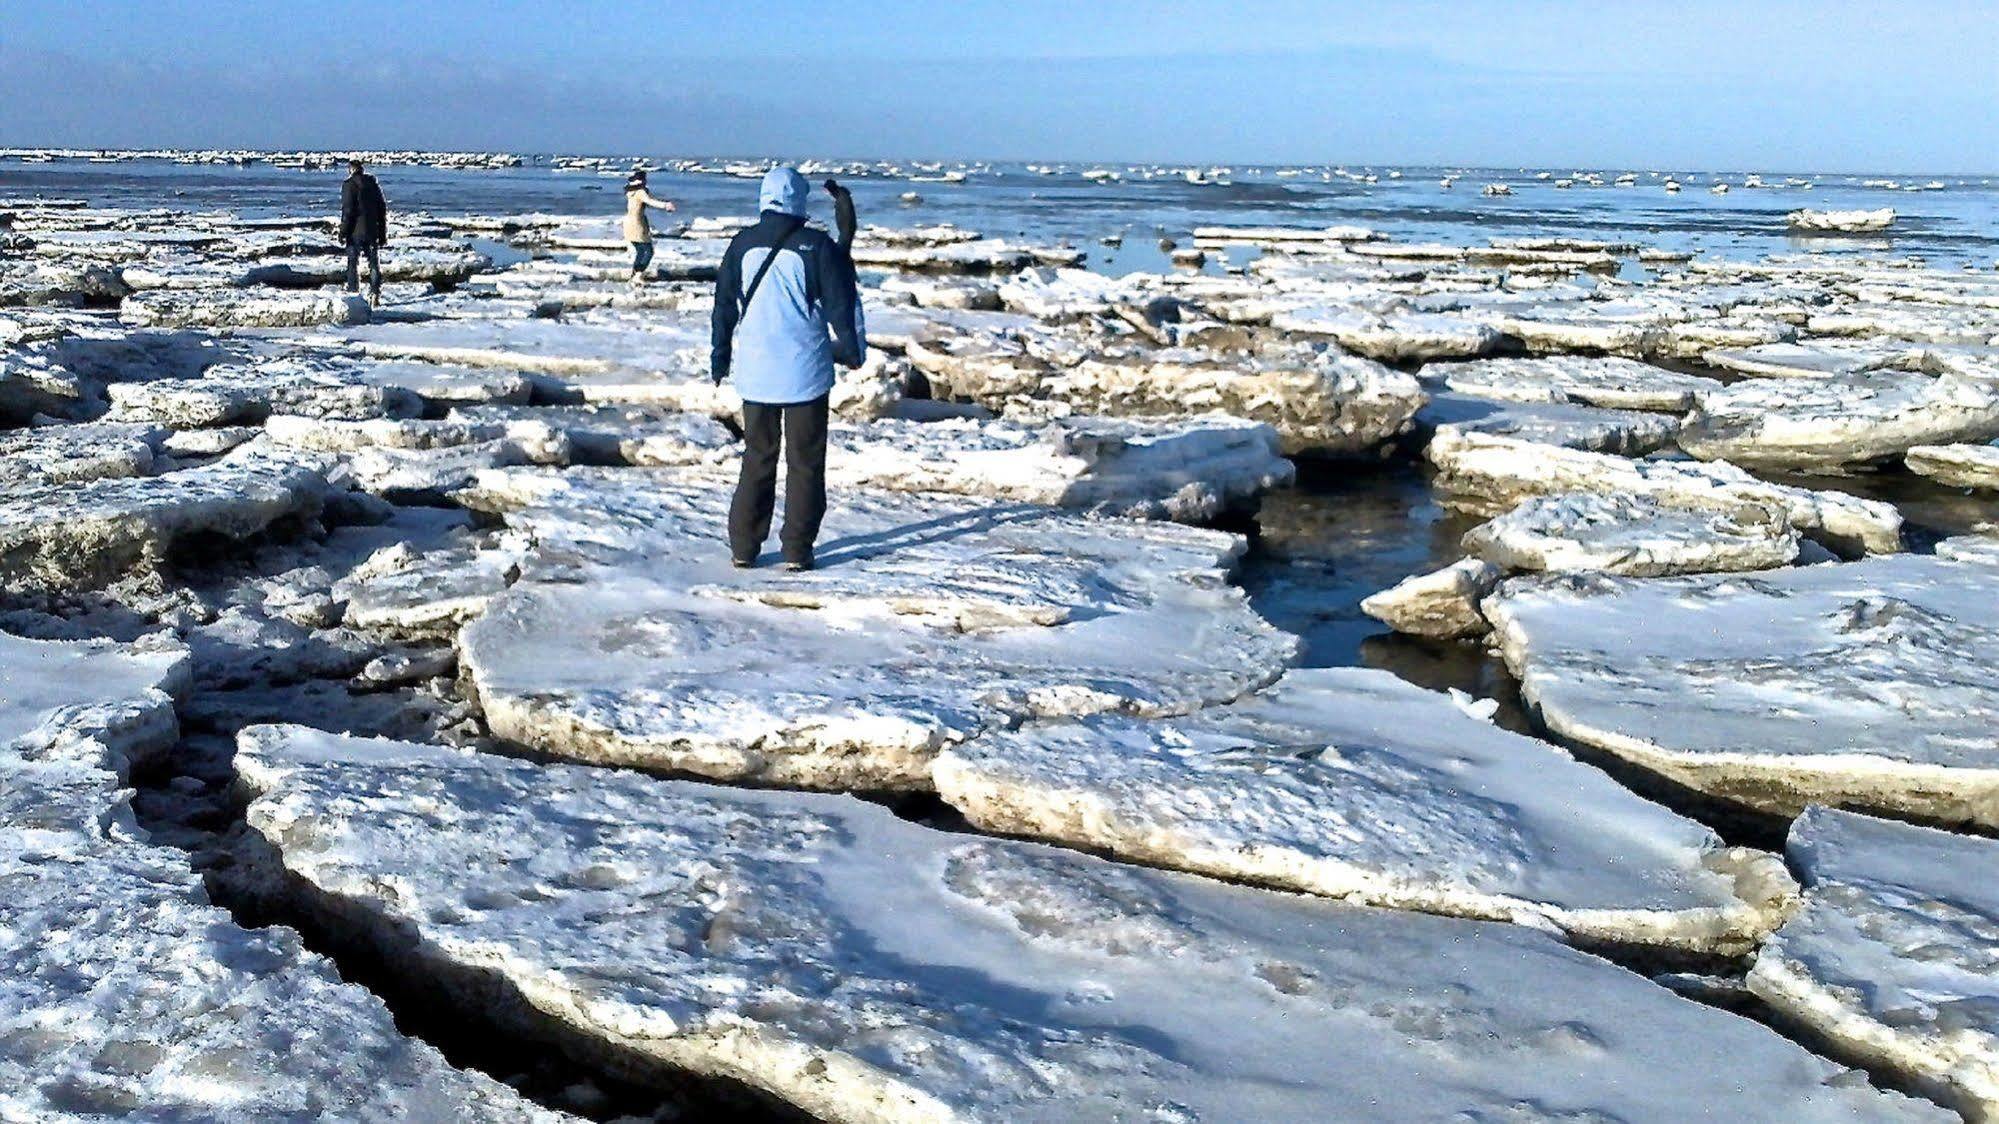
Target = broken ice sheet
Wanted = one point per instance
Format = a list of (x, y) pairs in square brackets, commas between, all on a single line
[(1353, 784), (865, 968)]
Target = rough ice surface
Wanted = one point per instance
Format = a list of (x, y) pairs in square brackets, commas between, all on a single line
[(1501, 472), (930, 619), (1626, 433), (1443, 603), (1892, 959), (1189, 469), (1353, 784), (1837, 421), (1609, 382), (233, 395), (57, 454), (1962, 466), (238, 308), (79, 535), (1394, 337), (123, 992), (1813, 359), (637, 435), (1320, 402), (868, 969), (1636, 535), (1865, 683)]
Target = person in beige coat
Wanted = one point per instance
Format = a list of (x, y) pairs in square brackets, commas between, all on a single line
[(638, 228)]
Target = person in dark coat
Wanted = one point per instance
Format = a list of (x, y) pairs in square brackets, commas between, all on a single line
[(364, 228)]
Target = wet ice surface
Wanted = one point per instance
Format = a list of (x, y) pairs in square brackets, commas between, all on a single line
[(1862, 683), (125, 993), (206, 439), (1892, 957), (864, 968)]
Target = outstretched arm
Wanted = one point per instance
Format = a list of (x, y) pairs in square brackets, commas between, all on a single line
[(843, 213), (662, 204)]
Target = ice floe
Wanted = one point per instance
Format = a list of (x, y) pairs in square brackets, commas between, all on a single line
[(1609, 382), (1637, 535), (864, 968), (1354, 784), (929, 620), (1839, 421), (234, 308), (1891, 958), (1962, 466), (1863, 684), (1443, 603), (126, 993), (1495, 473)]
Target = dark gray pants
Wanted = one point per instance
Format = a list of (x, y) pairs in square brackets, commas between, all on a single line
[(354, 251), (801, 428)]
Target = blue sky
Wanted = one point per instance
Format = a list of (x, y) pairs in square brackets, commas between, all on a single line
[(1831, 85)]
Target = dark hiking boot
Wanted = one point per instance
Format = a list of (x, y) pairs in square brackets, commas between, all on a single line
[(799, 563), (743, 563)]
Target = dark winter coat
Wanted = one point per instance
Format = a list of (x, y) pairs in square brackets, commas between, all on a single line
[(364, 214)]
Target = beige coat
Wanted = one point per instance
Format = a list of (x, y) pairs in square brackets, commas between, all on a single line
[(637, 227)]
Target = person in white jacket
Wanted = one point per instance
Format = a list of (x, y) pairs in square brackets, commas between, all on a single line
[(638, 227)]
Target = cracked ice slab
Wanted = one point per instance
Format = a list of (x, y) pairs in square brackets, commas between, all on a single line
[(55, 454), (1320, 401), (1865, 683), (1961, 466), (1351, 783), (1500, 472), (233, 394), (1891, 958), (631, 640), (1627, 433), (1393, 336), (1188, 470), (1635, 535), (238, 308), (868, 969), (1839, 420), (1442, 603), (1606, 381), (82, 535), (123, 992)]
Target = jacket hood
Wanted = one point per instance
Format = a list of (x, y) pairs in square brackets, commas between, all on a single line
[(783, 191)]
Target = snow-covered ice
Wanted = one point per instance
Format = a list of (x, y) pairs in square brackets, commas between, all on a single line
[(1892, 959), (1961, 466), (1500, 472), (123, 992), (1867, 683), (631, 640), (237, 308), (1627, 433), (1636, 535), (1606, 381), (1839, 420), (868, 969), (1351, 783)]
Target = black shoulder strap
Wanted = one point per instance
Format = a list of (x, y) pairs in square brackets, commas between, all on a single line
[(769, 260)]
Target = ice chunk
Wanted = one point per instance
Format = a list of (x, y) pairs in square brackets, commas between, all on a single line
[(238, 308), (1839, 420), (233, 394), (79, 536), (1189, 469), (1865, 684), (54, 454), (1638, 535), (1961, 466), (639, 435), (1613, 383), (1351, 783), (1624, 432), (126, 993), (1814, 359), (1395, 336), (868, 969), (1499, 472), (1443, 603), (1844, 222), (1323, 401), (930, 619), (1891, 959)]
